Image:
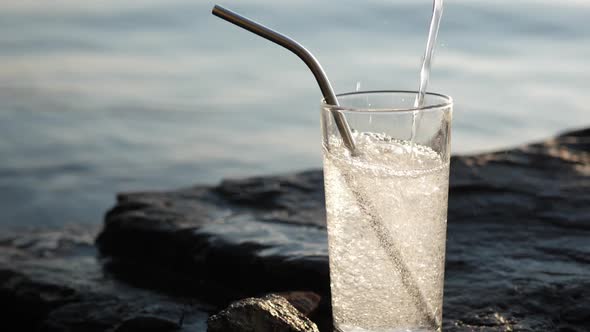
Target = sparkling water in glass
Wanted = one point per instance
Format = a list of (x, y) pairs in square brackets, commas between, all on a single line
[(386, 207)]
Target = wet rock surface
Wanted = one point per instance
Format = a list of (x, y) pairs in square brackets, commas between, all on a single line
[(518, 252), (54, 281)]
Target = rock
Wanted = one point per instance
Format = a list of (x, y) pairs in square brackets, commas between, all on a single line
[(272, 313), (25, 302), (517, 249), (51, 281)]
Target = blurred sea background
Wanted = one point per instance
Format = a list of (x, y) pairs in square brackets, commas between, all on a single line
[(107, 96)]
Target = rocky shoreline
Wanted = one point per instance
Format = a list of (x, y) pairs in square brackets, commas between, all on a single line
[(518, 254)]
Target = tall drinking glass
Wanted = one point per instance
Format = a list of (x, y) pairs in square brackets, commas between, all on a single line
[(386, 206)]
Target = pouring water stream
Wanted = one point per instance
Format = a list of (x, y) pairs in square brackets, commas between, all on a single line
[(437, 10)]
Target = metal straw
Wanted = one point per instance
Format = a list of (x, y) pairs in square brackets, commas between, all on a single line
[(303, 54)]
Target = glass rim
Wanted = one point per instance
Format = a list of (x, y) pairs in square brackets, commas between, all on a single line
[(447, 101)]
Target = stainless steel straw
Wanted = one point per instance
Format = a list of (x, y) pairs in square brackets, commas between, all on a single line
[(303, 54)]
